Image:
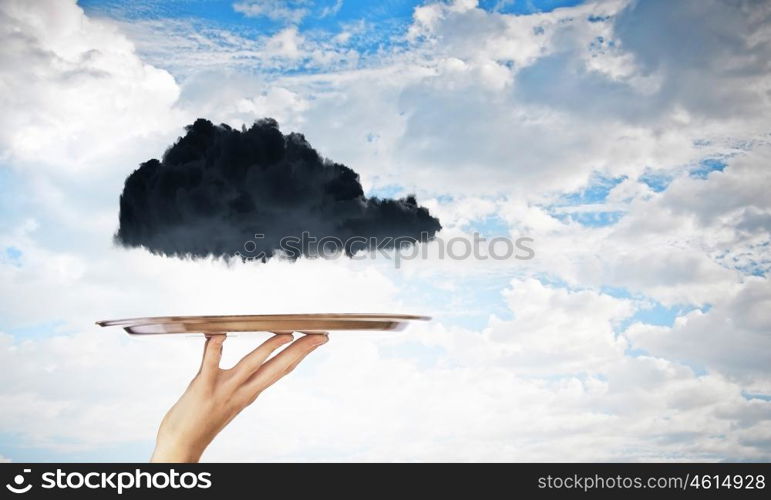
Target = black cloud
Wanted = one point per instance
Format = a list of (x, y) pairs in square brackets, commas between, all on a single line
[(217, 187)]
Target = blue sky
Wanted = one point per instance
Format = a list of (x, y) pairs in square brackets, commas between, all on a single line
[(321, 14), (375, 26), (632, 155)]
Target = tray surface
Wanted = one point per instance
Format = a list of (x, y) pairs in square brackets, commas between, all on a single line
[(277, 323)]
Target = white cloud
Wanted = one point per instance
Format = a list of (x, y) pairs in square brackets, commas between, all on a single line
[(73, 90), (568, 339), (332, 9), (188, 50), (286, 43), (717, 69), (732, 337), (291, 11)]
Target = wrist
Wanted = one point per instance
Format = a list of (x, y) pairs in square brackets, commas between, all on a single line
[(170, 453)]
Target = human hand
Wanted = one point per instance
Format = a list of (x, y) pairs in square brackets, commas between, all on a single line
[(215, 396)]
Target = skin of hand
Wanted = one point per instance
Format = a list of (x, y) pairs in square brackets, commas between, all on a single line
[(215, 396)]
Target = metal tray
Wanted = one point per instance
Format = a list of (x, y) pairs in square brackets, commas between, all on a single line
[(276, 323)]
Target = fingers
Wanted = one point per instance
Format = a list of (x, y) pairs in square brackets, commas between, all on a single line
[(254, 360), (281, 364), (212, 353)]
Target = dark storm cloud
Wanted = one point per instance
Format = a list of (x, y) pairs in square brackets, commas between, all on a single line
[(218, 187)]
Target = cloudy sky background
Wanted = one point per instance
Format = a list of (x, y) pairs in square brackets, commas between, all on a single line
[(629, 139)]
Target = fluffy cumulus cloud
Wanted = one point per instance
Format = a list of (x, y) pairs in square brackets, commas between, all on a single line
[(631, 149), (731, 338), (73, 89)]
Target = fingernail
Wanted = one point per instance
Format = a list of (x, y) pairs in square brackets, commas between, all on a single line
[(323, 339)]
